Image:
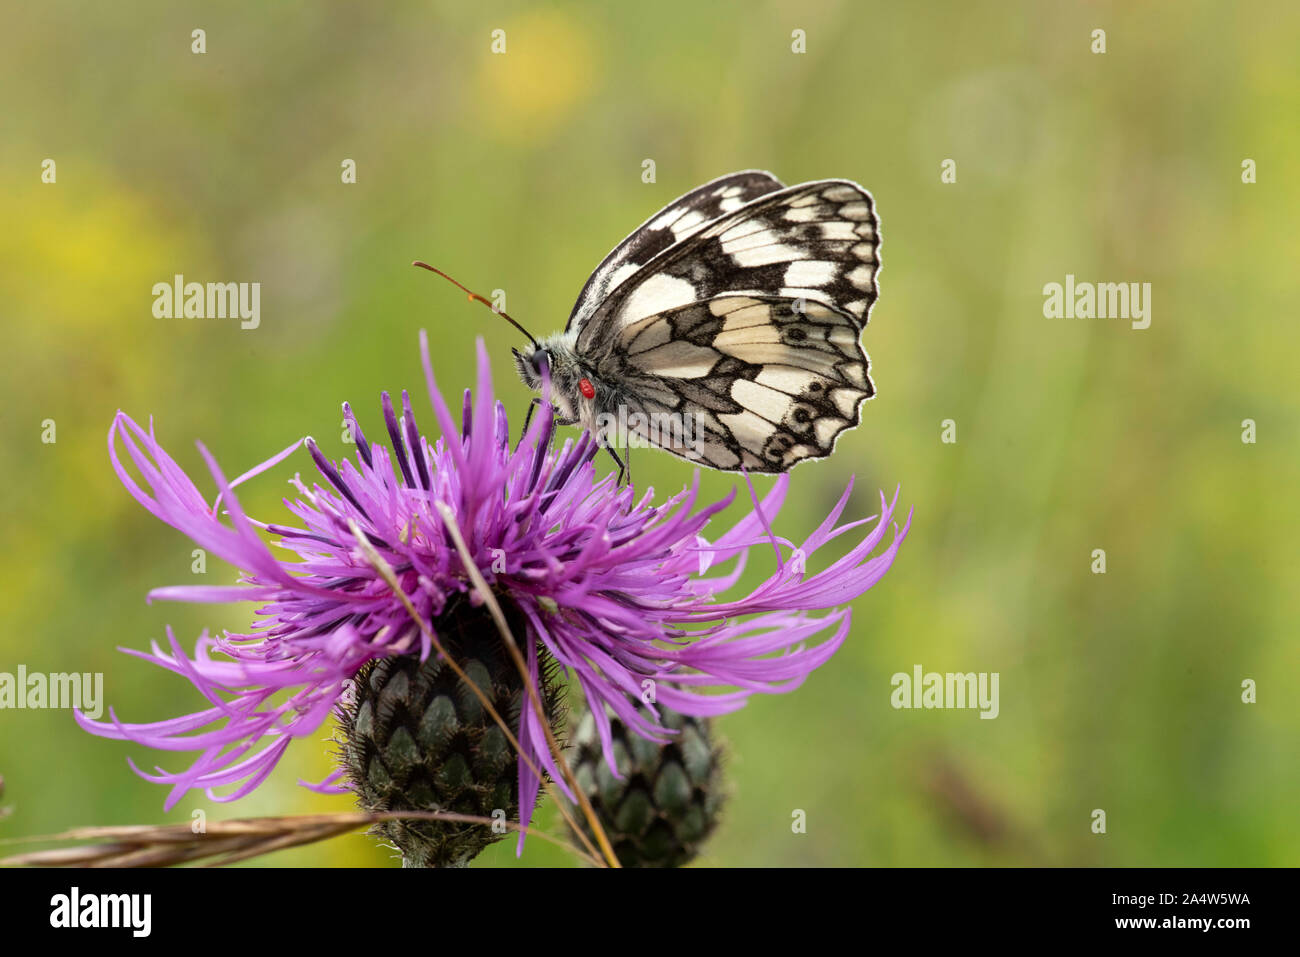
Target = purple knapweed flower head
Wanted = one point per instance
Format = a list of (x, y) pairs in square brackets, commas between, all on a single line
[(623, 594)]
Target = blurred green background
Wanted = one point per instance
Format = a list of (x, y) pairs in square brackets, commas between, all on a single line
[(519, 171)]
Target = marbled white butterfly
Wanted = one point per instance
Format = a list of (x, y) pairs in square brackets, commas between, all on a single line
[(736, 309)]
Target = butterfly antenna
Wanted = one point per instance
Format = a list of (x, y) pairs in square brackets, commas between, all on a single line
[(475, 297)]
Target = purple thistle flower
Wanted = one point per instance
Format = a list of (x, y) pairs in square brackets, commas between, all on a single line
[(617, 589)]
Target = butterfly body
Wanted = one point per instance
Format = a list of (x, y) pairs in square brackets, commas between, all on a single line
[(725, 329), (566, 372)]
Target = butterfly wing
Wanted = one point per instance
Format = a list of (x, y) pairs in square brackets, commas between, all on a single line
[(752, 382), (676, 222), (750, 326), (816, 241)]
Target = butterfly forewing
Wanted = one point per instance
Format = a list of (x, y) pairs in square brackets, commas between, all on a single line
[(817, 241), (673, 224)]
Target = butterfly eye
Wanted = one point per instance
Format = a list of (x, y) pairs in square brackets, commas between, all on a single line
[(586, 388)]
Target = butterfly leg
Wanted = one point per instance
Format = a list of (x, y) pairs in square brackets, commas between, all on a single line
[(622, 468), (528, 418)]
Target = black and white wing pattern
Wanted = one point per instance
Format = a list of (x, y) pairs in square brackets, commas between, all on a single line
[(677, 221), (750, 325), (757, 382), (817, 241)]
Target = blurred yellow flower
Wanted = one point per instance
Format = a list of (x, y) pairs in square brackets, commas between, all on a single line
[(542, 67)]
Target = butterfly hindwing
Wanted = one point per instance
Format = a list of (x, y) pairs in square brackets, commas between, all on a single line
[(817, 241), (673, 224), (761, 382)]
